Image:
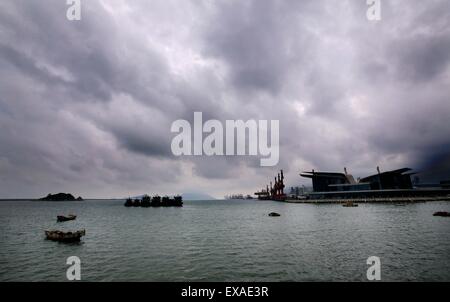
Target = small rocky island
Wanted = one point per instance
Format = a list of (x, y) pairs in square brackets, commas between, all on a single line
[(61, 197)]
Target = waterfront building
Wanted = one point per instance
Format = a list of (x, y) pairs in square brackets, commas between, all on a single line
[(395, 183), (390, 180), (335, 182)]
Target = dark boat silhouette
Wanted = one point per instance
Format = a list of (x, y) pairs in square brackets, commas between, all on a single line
[(165, 201), (146, 201), (136, 203), (177, 201), (62, 218), (156, 201), (128, 203)]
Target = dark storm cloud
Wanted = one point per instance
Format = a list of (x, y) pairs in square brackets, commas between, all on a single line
[(87, 106), (422, 58), (256, 41), (435, 169)]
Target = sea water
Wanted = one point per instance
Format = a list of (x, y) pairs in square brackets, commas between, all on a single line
[(226, 240)]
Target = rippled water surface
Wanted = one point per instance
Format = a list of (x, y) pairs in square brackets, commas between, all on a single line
[(226, 241)]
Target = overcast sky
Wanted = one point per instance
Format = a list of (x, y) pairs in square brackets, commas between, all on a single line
[(86, 106)]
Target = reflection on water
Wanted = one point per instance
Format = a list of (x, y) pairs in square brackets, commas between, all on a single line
[(226, 241)]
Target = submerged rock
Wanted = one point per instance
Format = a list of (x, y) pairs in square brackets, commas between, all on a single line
[(350, 204)]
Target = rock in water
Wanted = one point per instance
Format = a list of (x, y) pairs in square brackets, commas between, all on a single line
[(65, 236), (273, 214), (442, 214)]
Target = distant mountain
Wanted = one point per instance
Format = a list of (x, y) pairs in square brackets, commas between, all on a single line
[(196, 196), (135, 197)]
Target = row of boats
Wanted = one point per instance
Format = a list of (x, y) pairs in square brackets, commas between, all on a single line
[(156, 201)]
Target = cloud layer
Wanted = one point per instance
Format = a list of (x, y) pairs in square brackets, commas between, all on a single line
[(86, 106)]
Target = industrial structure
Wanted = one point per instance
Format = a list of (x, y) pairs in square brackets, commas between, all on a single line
[(275, 191)]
